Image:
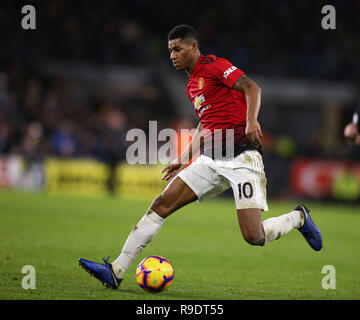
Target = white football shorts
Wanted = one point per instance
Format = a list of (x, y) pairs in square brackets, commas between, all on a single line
[(244, 174)]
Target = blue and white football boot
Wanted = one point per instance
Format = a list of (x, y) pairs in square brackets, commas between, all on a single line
[(103, 272), (309, 229)]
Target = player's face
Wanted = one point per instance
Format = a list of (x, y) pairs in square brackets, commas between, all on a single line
[(182, 53)]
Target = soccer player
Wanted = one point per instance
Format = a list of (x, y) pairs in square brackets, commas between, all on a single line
[(352, 129), (224, 98)]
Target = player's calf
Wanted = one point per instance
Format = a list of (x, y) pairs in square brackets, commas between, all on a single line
[(254, 239), (251, 226)]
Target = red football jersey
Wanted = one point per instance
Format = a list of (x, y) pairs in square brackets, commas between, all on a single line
[(216, 104)]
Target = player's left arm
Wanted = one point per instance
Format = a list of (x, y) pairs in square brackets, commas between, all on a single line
[(253, 100)]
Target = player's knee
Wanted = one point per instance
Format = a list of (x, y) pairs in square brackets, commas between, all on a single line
[(254, 239), (160, 206)]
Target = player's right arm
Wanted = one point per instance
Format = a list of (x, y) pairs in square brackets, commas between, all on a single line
[(181, 162), (253, 99)]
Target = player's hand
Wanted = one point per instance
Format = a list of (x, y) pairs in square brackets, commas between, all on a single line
[(351, 133), (172, 169), (253, 133)]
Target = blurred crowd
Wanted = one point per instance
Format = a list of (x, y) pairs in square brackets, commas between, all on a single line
[(280, 38), (38, 117)]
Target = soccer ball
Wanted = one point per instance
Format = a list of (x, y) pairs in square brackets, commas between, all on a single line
[(154, 274)]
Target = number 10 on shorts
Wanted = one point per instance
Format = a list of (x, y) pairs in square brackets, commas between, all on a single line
[(245, 190)]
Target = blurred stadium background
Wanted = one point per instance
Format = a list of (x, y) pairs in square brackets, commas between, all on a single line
[(71, 89)]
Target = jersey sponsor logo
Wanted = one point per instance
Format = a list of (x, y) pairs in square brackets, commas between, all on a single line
[(201, 82), (198, 101), (228, 71), (203, 109)]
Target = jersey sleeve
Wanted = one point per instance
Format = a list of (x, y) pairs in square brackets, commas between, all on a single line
[(356, 117), (226, 72)]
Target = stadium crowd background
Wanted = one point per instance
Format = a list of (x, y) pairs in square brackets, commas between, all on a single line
[(45, 114)]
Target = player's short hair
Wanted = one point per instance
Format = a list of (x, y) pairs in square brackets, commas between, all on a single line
[(183, 31)]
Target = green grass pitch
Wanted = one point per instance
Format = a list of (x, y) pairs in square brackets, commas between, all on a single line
[(202, 241)]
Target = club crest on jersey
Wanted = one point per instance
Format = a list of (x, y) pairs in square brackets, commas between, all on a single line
[(228, 71), (198, 101), (201, 82)]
